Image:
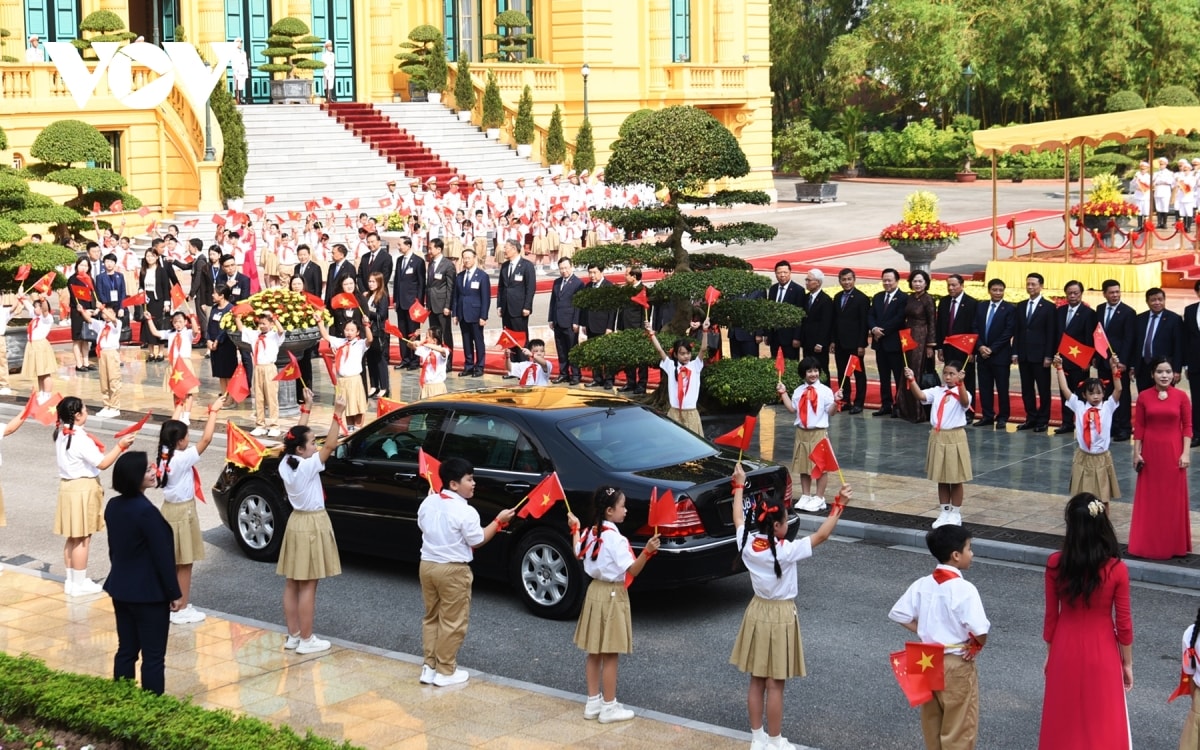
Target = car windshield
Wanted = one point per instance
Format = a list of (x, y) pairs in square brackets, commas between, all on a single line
[(634, 438)]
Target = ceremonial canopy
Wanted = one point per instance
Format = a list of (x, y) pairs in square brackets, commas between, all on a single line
[(1088, 131)]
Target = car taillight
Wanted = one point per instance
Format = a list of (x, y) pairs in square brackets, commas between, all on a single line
[(687, 521)]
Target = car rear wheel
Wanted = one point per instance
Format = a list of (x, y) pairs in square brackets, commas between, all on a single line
[(259, 518), (550, 579)]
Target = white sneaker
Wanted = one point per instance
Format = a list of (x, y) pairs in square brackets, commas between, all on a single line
[(179, 618), (87, 587), (955, 516), (811, 503), (274, 432), (313, 645), (258, 431), (759, 739), (69, 587), (427, 674), (193, 615), (613, 712), (445, 680), (780, 743), (942, 519), (291, 642), (591, 709), (105, 413)]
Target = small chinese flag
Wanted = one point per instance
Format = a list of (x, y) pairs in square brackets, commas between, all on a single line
[(907, 342), (428, 467), (345, 301), (23, 272), (853, 365), (548, 492), (182, 379), (218, 219), (739, 438), (239, 387), (178, 296), (133, 427), (134, 299), (925, 664), (44, 412), (143, 211), (779, 363), (290, 371), (293, 215), (310, 205), (1184, 686), (663, 510), (354, 203), (640, 299), (711, 295), (385, 202), (243, 308), (241, 449), (189, 224), (964, 342), (417, 312), (916, 694), (314, 300), (259, 213), (386, 405), (1103, 348), (150, 227), (268, 200), (509, 339), (390, 328), (43, 284), (1077, 353), (823, 458), (326, 200), (81, 292), (117, 206)]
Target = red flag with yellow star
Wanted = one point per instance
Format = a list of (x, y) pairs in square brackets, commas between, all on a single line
[(914, 692), (739, 438), (239, 386), (241, 449), (290, 371), (417, 312), (43, 284), (81, 292), (386, 405), (344, 301), (926, 664), (428, 467), (178, 296), (1075, 352), (541, 498), (182, 379), (46, 411), (907, 342)]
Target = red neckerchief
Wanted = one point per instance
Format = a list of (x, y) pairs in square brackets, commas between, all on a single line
[(105, 331), (685, 380), (177, 345), (428, 367), (29, 328), (1091, 422), (949, 394), (529, 377), (197, 485), (941, 575), (808, 400), (260, 345), (343, 355)]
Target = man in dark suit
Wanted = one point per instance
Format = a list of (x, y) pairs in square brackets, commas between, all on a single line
[(439, 295), (200, 288), (1118, 320), (1034, 343), (785, 291), (850, 310), (564, 321), (956, 315), (816, 332), (472, 300), (1078, 321), (884, 320), (1191, 360), (338, 269), (409, 287), (1159, 333), (378, 260), (518, 283), (632, 316), (995, 322), (309, 272), (743, 342), (238, 283), (597, 323)]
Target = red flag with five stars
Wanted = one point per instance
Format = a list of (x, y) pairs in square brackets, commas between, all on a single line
[(964, 342), (1100, 338), (182, 379), (823, 459), (239, 386), (314, 300), (386, 405), (134, 299), (541, 498), (915, 692), (428, 467), (640, 299), (739, 438), (509, 339), (131, 429), (711, 295)]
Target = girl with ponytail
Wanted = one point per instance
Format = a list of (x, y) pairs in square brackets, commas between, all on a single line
[(768, 644), (605, 629), (81, 458), (39, 359), (309, 550), (179, 480), (1190, 739)]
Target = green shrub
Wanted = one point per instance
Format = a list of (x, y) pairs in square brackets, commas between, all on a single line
[(511, 44), (464, 88), (414, 60), (556, 146), (810, 153), (1175, 96), (747, 381), (1123, 101), (523, 129), (493, 105), (632, 120), (436, 72), (100, 26), (585, 148), (235, 160)]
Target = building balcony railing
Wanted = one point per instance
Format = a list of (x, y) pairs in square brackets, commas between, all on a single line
[(707, 82)]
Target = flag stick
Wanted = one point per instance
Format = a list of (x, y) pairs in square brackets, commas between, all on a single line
[(904, 354), (840, 476), (567, 502), (739, 455)]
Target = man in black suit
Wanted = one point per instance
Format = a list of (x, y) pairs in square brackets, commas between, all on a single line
[(995, 322), (742, 342), (200, 288), (1191, 335), (632, 316), (309, 272), (850, 310), (377, 260), (407, 288), (884, 320), (338, 269), (816, 332), (1118, 321), (1034, 343), (564, 321), (518, 283), (439, 295), (472, 300), (956, 315), (238, 283), (1078, 321), (597, 323), (789, 293), (1159, 333)]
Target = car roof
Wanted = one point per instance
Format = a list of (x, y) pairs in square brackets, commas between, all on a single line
[(534, 399)]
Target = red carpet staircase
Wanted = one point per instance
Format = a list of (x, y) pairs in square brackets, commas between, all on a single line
[(392, 142)]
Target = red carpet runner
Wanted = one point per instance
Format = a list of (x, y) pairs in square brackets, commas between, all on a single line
[(397, 146)]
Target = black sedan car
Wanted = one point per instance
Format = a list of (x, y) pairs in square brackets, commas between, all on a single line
[(515, 437)]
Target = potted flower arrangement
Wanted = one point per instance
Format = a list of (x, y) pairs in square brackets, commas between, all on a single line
[(293, 311), (813, 155), (920, 236), (1105, 209)]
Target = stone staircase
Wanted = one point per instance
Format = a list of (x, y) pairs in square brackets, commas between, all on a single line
[(387, 138), (462, 146)]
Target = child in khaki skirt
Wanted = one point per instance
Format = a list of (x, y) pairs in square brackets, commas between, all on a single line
[(813, 403), (180, 482), (348, 356), (39, 362), (683, 378), (1092, 468), (947, 456), (309, 551), (768, 644), (604, 629), (432, 356)]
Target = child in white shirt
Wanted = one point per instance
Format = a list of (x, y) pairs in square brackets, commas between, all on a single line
[(813, 403), (683, 379), (536, 371), (432, 356)]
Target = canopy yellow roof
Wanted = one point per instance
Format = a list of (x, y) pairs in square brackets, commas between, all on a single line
[(1090, 130)]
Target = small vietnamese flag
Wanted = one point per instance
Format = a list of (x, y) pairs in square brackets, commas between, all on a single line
[(290, 371), (81, 292), (131, 429), (907, 342), (508, 339), (326, 200), (548, 492), (417, 312), (354, 203), (189, 224), (43, 284), (242, 308), (663, 510), (143, 211), (1184, 687), (314, 300), (259, 213), (268, 200), (117, 206), (385, 202), (1076, 352), (823, 459), (293, 215), (1100, 338), (23, 272), (44, 411), (739, 438), (711, 295), (386, 405), (964, 342), (428, 467), (345, 301), (218, 219), (134, 299), (239, 387), (390, 328), (925, 664), (241, 449), (779, 363), (178, 296), (182, 379), (916, 693), (310, 205), (96, 207), (853, 365), (640, 299)]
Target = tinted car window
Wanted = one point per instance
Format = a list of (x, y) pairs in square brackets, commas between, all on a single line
[(634, 438), (486, 441), (398, 439)]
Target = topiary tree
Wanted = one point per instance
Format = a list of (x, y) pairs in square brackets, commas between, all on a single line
[(585, 148), (632, 120), (1175, 96), (436, 70), (4, 35), (464, 87), (288, 42), (235, 158), (414, 61), (100, 26), (556, 146), (65, 143), (511, 40), (493, 105), (1123, 101), (523, 129), (810, 153)]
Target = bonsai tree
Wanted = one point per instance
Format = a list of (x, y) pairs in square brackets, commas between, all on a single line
[(415, 61), (464, 88), (810, 153), (556, 147), (524, 127), (63, 144), (288, 41), (436, 70), (493, 106), (510, 37), (585, 148), (100, 26)]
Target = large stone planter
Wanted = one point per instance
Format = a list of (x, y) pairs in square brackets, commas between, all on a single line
[(15, 337), (920, 254), (291, 91), (816, 192), (1101, 224), (524, 150), (294, 342), (464, 115)]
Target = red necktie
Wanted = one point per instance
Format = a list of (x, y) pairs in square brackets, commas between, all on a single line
[(176, 341), (529, 377), (197, 485), (429, 366), (29, 328), (104, 332), (1091, 421), (685, 379), (949, 394), (941, 575), (343, 356), (808, 401), (260, 345)]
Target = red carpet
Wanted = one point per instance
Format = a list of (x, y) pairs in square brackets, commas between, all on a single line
[(392, 142)]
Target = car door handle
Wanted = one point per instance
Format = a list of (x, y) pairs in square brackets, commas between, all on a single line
[(517, 487), (402, 477)]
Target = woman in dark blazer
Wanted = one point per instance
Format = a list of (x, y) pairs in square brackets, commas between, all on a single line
[(83, 297), (142, 581), (158, 294)]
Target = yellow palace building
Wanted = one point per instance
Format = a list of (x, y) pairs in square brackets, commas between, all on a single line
[(711, 54)]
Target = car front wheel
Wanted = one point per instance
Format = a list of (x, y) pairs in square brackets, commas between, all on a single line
[(258, 521), (550, 579)]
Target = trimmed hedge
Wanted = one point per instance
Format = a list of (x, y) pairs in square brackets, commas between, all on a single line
[(985, 172), (123, 712), (235, 160)]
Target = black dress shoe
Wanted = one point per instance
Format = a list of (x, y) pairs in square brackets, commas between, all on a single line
[(510, 377), (576, 381), (1120, 437), (477, 374), (1001, 424), (559, 380), (985, 423), (81, 369), (1026, 426), (640, 390), (1041, 428), (854, 410), (464, 373), (397, 367), (1065, 430), (626, 389), (885, 411), (594, 384)]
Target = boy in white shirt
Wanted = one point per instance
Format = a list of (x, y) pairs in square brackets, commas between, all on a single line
[(683, 378), (812, 402), (108, 346), (536, 370), (264, 350), (432, 356)]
